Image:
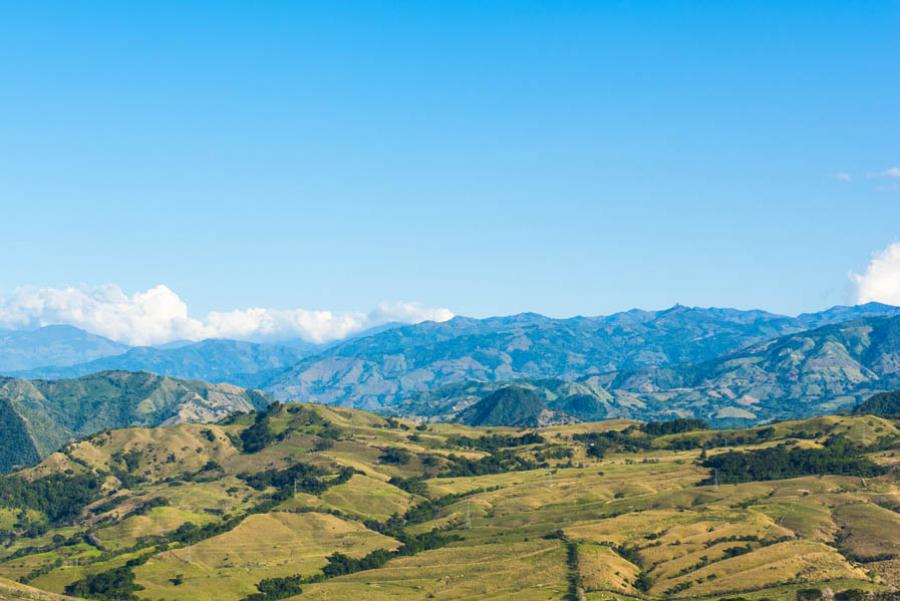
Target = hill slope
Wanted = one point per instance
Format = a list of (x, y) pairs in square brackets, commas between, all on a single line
[(314, 502), (509, 406), (40, 416), (813, 372)]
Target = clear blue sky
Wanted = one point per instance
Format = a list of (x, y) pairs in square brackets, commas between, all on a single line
[(490, 157)]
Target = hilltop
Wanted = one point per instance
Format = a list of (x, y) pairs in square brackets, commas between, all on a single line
[(314, 502)]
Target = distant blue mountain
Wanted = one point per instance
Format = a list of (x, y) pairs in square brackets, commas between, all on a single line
[(57, 345), (240, 363), (402, 366)]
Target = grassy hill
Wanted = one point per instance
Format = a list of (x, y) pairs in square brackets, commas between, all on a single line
[(316, 502), (39, 416)]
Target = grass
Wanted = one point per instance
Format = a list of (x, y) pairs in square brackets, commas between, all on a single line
[(527, 570), (628, 515), (158, 521), (368, 497), (868, 531), (276, 544)]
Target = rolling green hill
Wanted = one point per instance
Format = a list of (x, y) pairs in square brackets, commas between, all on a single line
[(315, 502), (40, 416)]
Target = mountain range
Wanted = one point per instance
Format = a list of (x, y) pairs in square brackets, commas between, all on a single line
[(233, 361), (712, 363), (730, 367), (57, 345)]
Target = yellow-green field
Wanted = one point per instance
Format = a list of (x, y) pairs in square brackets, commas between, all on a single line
[(634, 524)]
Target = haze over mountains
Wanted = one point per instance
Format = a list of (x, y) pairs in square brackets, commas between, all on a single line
[(729, 366)]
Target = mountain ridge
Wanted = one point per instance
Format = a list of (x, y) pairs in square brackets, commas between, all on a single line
[(381, 371)]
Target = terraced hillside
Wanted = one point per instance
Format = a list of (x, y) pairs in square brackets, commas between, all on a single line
[(314, 502)]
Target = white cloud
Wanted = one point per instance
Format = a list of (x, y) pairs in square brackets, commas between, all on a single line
[(881, 280), (158, 315), (841, 176), (889, 173)]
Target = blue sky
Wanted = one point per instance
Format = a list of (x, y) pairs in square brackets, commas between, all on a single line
[(488, 157)]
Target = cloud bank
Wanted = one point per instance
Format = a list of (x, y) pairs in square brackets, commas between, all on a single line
[(880, 282), (158, 315)]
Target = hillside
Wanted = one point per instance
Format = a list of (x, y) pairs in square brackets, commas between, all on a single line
[(509, 406), (39, 416), (52, 345), (314, 502), (390, 368), (814, 372), (563, 400), (232, 361)]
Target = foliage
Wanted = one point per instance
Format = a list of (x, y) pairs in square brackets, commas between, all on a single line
[(415, 486), (272, 589), (61, 498), (722, 439), (597, 444), (884, 404), (838, 456), (307, 478), (495, 463), (114, 585), (495, 442), (394, 456), (258, 435), (674, 426)]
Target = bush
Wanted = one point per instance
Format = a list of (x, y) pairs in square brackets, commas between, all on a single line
[(114, 585), (271, 589), (394, 455), (675, 426)]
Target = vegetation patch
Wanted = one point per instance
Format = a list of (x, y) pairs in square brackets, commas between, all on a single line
[(837, 456)]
